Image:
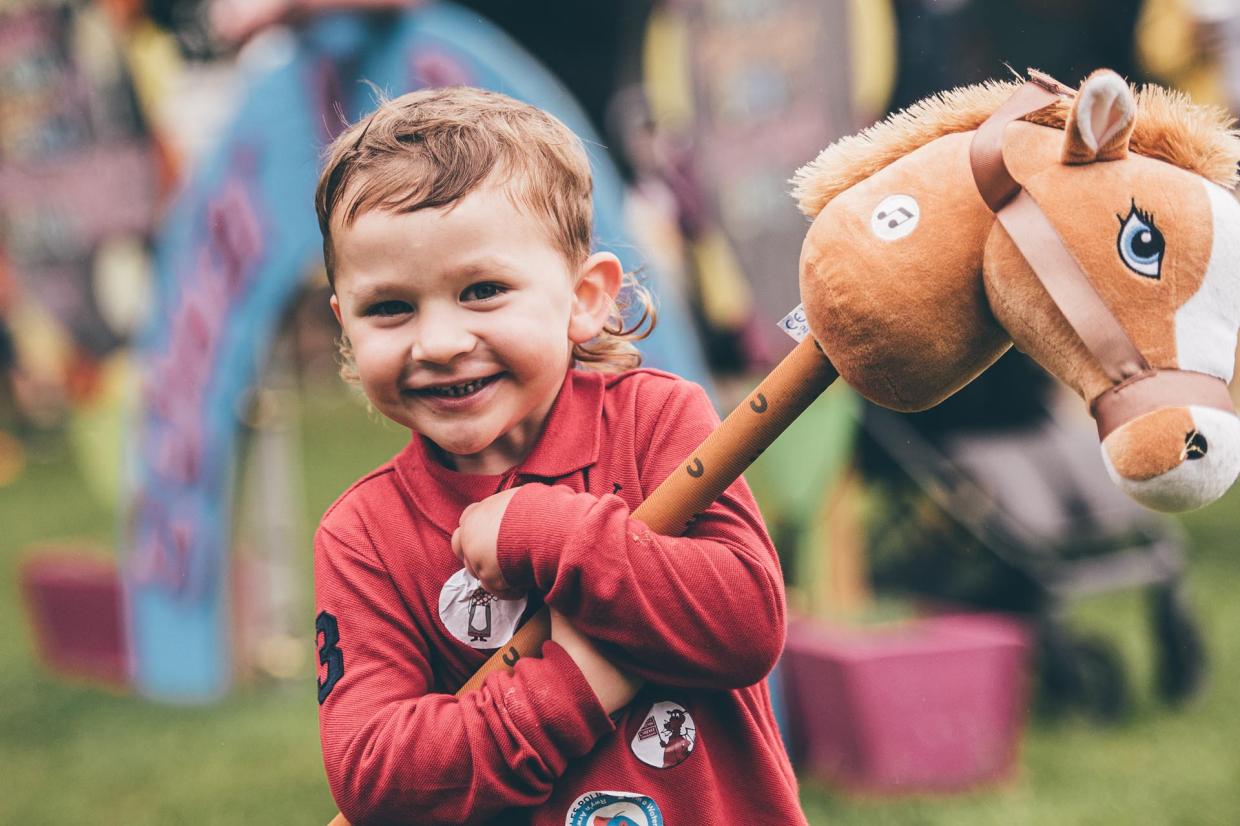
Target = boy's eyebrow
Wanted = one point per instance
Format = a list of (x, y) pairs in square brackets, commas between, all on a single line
[(371, 288), (481, 266)]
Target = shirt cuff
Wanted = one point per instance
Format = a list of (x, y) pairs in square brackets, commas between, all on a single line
[(538, 521)]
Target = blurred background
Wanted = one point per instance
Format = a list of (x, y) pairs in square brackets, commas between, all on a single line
[(985, 631)]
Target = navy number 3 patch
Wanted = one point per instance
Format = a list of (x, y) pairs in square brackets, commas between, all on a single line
[(329, 654)]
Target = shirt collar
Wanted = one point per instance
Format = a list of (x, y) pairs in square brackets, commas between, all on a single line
[(568, 443), (574, 421)]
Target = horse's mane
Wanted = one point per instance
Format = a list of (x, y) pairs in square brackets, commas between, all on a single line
[(1169, 127)]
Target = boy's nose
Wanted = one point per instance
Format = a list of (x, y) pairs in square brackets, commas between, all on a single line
[(440, 339)]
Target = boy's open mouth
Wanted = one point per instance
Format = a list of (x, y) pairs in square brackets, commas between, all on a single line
[(456, 391)]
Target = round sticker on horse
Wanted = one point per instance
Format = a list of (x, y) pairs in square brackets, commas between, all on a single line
[(667, 736), (895, 217), (475, 617), (613, 809)]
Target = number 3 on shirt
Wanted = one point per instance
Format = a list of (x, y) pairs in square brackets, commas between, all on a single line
[(329, 654)]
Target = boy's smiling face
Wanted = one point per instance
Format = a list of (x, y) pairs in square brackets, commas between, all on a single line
[(462, 321)]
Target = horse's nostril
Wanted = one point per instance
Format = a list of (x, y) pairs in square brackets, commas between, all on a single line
[(1195, 445)]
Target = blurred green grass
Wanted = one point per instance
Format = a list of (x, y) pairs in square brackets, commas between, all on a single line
[(72, 753)]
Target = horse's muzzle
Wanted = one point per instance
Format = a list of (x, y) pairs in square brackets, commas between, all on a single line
[(1175, 458)]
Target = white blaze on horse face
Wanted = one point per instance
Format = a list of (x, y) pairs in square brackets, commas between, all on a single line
[(1206, 325)]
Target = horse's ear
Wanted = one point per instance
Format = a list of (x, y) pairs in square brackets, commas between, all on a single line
[(1101, 120)]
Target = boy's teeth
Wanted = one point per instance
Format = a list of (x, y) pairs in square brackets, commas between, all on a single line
[(460, 389)]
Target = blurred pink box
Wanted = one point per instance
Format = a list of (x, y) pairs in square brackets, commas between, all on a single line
[(931, 704), (74, 601)]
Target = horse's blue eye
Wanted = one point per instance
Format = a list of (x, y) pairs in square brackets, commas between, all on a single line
[(1141, 245)]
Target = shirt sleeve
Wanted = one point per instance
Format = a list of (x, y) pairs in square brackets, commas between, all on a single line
[(701, 610), (396, 752)]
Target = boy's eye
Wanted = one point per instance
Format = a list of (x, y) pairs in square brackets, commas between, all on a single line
[(481, 292), (388, 308)]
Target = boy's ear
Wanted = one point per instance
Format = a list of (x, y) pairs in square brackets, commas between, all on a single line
[(335, 302), (597, 286)]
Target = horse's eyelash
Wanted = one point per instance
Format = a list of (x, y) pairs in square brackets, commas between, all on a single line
[(1140, 213)]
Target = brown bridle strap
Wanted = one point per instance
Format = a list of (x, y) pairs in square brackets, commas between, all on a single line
[(1136, 387), (990, 172), (1150, 390), (1070, 289)]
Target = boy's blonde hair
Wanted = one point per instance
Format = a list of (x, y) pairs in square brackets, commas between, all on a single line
[(429, 149)]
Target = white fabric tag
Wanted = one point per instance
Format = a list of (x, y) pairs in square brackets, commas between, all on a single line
[(794, 324)]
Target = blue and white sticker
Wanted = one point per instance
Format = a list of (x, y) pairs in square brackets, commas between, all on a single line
[(614, 809), (667, 736), (895, 217), (475, 617)]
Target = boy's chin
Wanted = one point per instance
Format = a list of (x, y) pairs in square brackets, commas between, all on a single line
[(467, 453)]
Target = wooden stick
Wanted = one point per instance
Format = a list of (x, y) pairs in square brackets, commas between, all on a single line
[(707, 472), (725, 454)]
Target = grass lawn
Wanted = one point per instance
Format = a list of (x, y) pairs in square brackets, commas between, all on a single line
[(72, 753)]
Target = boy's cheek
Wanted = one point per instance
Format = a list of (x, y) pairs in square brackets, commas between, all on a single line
[(373, 349)]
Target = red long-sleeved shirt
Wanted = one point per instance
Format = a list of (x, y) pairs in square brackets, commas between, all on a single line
[(701, 617)]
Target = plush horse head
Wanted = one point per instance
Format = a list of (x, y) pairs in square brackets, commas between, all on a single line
[(920, 270)]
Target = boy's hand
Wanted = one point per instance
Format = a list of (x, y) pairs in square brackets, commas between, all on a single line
[(475, 539), (613, 687)]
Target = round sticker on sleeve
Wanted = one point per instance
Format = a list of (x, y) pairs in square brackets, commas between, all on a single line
[(475, 617), (613, 809), (666, 737), (895, 217)]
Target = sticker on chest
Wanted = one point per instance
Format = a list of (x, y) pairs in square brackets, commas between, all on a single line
[(475, 617), (666, 737), (614, 809)]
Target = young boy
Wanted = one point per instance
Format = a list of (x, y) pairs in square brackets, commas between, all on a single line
[(456, 232)]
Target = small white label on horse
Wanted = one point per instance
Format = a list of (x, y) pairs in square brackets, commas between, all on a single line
[(895, 217), (794, 324)]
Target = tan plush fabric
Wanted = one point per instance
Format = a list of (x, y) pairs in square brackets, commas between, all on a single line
[(1141, 450), (1168, 126), (904, 321), (943, 332), (1151, 445), (1089, 225), (909, 317)]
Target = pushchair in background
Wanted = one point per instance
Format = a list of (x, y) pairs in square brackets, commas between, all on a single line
[(991, 501)]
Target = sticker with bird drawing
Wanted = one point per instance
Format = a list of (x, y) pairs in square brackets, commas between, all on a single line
[(666, 737)]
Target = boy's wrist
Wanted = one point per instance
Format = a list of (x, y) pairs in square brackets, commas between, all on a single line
[(613, 687)]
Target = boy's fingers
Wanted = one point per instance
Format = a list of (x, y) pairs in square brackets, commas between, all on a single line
[(495, 585), (456, 544)]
